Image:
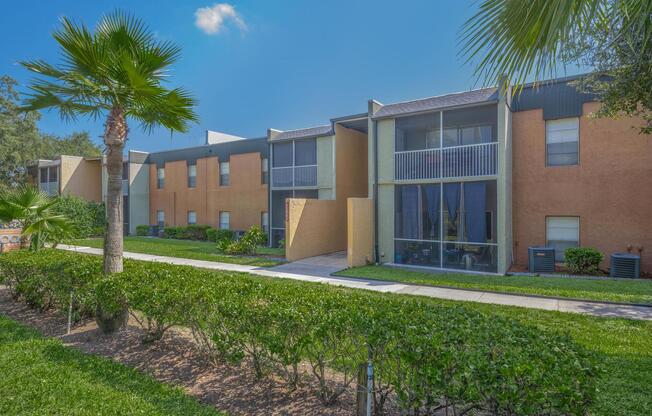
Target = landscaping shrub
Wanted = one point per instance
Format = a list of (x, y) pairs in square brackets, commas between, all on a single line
[(583, 260), (427, 357), (142, 230), (87, 217), (247, 244), (190, 232)]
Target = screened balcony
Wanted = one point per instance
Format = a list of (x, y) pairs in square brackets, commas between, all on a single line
[(466, 146), (294, 164)]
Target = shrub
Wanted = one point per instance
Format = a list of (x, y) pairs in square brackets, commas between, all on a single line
[(224, 235), (190, 232), (211, 235), (87, 217), (428, 357), (248, 244), (583, 260), (142, 230)]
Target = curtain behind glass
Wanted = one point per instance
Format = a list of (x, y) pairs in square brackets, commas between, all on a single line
[(430, 211), (407, 211), (475, 206)]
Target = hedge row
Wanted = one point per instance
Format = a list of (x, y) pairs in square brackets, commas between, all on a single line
[(426, 355)]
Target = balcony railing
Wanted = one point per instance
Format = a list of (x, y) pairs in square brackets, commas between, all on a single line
[(294, 176), (449, 162)]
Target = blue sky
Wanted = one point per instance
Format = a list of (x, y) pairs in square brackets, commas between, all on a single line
[(283, 64)]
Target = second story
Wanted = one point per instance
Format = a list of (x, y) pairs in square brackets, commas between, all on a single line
[(69, 175)]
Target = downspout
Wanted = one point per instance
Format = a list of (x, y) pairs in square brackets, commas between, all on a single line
[(375, 188)]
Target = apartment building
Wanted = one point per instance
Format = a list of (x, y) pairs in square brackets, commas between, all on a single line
[(223, 184), (321, 167), (68, 175)]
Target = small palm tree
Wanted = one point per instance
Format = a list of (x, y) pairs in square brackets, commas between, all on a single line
[(32, 210), (117, 72)]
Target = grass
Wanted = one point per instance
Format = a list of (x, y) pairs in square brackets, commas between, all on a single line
[(611, 290), (197, 250), (41, 376)]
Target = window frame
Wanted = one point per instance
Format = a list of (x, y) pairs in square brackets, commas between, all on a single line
[(160, 179), (265, 171), (188, 217), (160, 222), (225, 178), (228, 223), (579, 228), (192, 179), (547, 156)]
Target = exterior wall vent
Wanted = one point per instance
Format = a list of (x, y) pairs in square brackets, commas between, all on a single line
[(541, 259), (625, 265)]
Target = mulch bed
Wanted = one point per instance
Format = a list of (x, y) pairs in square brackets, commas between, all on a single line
[(174, 360)]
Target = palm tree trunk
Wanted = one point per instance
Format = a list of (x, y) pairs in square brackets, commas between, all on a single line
[(115, 134)]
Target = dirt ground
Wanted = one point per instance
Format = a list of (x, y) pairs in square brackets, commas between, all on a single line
[(174, 360)]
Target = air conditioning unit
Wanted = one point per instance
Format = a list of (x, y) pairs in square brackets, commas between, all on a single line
[(625, 265), (541, 259)]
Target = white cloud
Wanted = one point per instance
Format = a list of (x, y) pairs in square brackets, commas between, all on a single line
[(211, 20)]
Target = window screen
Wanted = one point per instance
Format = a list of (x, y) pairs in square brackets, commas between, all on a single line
[(417, 132), (225, 220), (192, 176), (192, 217), (160, 178), (562, 233), (562, 141), (225, 173), (282, 154), (305, 152)]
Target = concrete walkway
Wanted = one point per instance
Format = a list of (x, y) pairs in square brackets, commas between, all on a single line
[(318, 269)]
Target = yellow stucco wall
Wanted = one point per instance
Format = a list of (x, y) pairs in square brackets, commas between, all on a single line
[(81, 177), (359, 247), (313, 227)]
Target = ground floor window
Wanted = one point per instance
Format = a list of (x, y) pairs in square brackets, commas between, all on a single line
[(562, 233), (160, 218), (450, 225), (192, 217), (225, 220), (264, 221)]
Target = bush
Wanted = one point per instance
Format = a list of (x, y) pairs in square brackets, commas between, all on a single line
[(190, 232), (426, 355), (142, 230), (583, 260), (224, 235), (87, 217), (248, 244)]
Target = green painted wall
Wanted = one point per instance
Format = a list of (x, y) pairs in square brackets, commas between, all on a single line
[(386, 222)]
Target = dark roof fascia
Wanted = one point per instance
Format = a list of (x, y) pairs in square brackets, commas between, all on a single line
[(221, 150), (436, 110)]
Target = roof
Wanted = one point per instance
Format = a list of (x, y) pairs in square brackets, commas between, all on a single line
[(316, 131), (479, 96), (221, 150)]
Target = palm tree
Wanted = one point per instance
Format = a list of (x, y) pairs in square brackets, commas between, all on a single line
[(32, 210), (117, 72), (515, 39)]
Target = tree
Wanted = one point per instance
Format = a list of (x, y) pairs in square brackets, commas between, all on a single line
[(514, 39), (21, 142), (34, 213), (116, 71)]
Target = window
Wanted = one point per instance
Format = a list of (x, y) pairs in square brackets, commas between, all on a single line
[(49, 180), (192, 217), (562, 141), (417, 132), (160, 178), (562, 233), (160, 218), (475, 125), (264, 221), (225, 220), (265, 170), (225, 171), (192, 176)]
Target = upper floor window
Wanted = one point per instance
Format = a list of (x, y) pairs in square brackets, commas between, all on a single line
[(265, 171), (225, 173), (417, 132), (468, 126), (192, 176), (225, 220), (562, 233), (192, 217), (283, 154), (305, 152), (160, 218), (160, 178), (562, 141)]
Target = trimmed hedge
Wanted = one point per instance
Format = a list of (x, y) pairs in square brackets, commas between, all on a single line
[(583, 260), (426, 356), (142, 230), (190, 232)]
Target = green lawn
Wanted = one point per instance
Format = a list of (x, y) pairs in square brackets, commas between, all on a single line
[(40, 376), (613, 290), (198, 250)]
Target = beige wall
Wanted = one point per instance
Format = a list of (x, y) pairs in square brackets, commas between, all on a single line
[(245, 197), (81, 177), (360, 225), (313, 227), (610, 190)]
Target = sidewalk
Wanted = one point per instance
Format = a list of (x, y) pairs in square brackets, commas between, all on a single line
[(317, 270)]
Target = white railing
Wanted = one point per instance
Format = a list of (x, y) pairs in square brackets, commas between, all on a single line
[(449, 162), (294, 176)]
